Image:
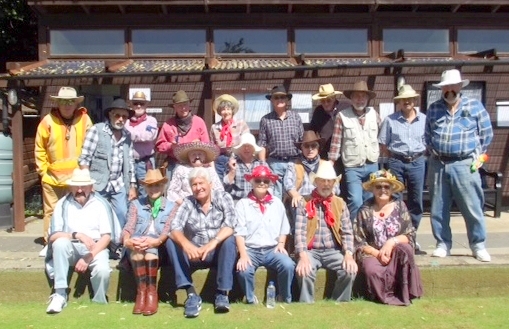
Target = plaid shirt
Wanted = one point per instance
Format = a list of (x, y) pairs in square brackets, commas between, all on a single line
[(465, 132), (240, 187), (116, 181), (199, 227), (403, 137), (239, 127), (324, 239), (278, 136), (290, 179)]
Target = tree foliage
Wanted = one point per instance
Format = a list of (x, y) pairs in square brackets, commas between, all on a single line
[(236, 48)]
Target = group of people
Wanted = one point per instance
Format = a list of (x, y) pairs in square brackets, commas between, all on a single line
[(222, 199)]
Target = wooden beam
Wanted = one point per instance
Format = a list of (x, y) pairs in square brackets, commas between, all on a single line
[(122, 9), (86, 9), (18, 67), (290, 8), (115, 66), (494, 9), (206, 5), (455, 8)]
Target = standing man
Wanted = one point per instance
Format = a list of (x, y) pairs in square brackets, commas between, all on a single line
[(402, 141), (458, 130), (355, 139), (279, 131), (58, 143), (143, 129), (108, 154)]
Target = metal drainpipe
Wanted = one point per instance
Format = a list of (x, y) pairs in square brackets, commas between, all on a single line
[(5, 116)]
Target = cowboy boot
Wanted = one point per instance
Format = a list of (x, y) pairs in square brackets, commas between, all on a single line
[(140, 274), (152, 297)]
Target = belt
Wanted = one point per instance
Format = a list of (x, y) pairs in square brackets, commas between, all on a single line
[(448, 158), (407, 158), (289, 158), (145, 159)]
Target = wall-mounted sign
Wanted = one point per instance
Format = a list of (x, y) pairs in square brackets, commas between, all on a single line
[(503, 114), (475, 89), (154, 110)]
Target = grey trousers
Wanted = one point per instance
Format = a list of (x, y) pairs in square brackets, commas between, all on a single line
[(330, 259)]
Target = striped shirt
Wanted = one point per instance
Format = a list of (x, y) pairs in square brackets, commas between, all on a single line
[(278, 136), (467, 131), (403, 137), (240, 187)]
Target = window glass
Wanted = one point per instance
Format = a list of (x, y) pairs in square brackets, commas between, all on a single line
[(250, 41), (416, 40), (147, 42), (87, 42), (479, 40), (344, 41)]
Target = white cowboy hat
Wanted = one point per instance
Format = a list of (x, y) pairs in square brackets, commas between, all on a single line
[(80, 177), (451, 77), (68, 93), (325, 91), (383, 176), (247, 138), (325, 171), (406, 91), (226, 98)]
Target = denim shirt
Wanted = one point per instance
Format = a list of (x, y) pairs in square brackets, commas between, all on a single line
[(144, 217)]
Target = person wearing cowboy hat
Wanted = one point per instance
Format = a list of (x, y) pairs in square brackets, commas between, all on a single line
[(108, 154), (401, 140), (192, 155), (385, 239), (243, 163), (227, 132), (183, 128), (58, 143), (458, 130), (279, 130), (260, 234), (146, 230), (355, 139), (82, 226), (143, 130), (324, 238)]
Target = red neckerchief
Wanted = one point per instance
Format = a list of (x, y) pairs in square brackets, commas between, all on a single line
[(133, 122), (261, 203), (226, 132), (326, 202)]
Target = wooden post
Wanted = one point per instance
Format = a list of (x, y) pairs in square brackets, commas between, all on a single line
[(18, 207)]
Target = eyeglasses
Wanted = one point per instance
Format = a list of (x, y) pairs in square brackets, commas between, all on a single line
[(66, 101), (264, 181), (311, 146), (138, 104), (278, 97), (383, 186), (118, 116)]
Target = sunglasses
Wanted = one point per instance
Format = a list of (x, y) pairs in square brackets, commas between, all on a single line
[(278, 97), (118, 116), (66, 101), (138, 104), (264, 181), (311, 146), (383, 186)]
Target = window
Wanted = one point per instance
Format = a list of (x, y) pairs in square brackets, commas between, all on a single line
[(322, 41), (416, 40), (149, 42), (479, 40), (250, 41), (87, 42)]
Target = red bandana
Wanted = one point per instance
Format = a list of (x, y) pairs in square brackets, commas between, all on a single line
[(326, 202), (134, 121), (261, 203), (226, 132)]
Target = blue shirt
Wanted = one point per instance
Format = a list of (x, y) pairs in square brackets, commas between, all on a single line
[(403, 137), (467, 131)]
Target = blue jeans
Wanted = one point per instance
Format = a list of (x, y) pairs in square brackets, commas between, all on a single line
[(221, 164), (118, 202), (279, 262), (412, 175), (223, 258), (140, 171), (355, 194), (278, 168), (453, 180)]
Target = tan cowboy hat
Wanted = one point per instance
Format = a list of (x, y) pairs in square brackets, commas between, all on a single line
[(383, 176), (181, 151), (310, 136), (68, 93), (359, 86), (451, 77), (154, 176), (325, 171), (247, 138), (139, 96), (226, 98), (180, 97), (406, 91), (326, 91), (80, 177)]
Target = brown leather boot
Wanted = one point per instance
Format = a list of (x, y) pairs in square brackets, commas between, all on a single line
[(152, 302), (140, 274)]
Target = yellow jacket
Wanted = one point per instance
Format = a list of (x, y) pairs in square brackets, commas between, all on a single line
[(58, 146)]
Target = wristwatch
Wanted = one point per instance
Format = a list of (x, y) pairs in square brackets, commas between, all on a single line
[(73, 235)]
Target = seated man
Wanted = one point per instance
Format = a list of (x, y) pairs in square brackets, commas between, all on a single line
[(201, 236), (261, 235), (82, 227), (324, 238)]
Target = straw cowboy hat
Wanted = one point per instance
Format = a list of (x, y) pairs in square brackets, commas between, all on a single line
[(359, 86), (381, 176), (278, 90), (309, 137), (261, 172), (139, 96), (68, 93), (154, 176), (226, 98), (80, 177), (181, 151), (180, 97), (247, 138), (120, 104), (406, 91), (325, 171), (451, 77), (325, 91)]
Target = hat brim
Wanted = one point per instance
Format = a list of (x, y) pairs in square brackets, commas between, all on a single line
[(78, 99), (70, 182), (237, 148), (464, 83), (130, 111), (316, 97), (288, 95), (190, 100), (273, 178), (348, 93), (139, 100), (406, 96), (312, 177), (397, 186), (181, 151), (321, 141), (163, 180), (227, 98)]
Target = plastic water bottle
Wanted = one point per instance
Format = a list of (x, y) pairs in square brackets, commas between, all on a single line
[(271, 295)]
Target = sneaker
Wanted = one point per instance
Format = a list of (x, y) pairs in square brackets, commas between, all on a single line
[(192, 306), (56, 304), (482, 255), (418, 251), (43, 252), (440, 252), (221, 304), (254, 302)]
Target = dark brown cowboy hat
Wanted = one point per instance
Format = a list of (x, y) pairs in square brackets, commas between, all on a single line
[(359, 86), (278, 90), (120, 104), (309, 137)]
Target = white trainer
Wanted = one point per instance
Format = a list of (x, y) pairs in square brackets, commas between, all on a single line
[(440, 252), (56, 304), (43, 252), (482, 255)]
